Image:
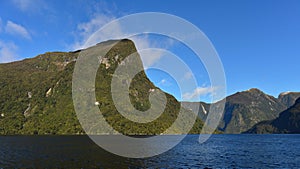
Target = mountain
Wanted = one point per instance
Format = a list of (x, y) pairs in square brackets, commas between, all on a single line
[(243, 110), (36, 94), (288, 98), (287, 122), (200, 108)]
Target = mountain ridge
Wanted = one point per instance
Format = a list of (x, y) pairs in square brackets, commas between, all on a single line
[(246, 108)]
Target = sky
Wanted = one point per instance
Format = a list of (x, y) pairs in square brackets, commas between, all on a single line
[(258, 41)]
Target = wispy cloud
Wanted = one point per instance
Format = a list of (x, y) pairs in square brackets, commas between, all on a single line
[(188, 75), (24, 5), (30, 5), (0, 25), (16, 29), (8, 52), (164, 82), (87, 29), (199, 91), (149, 57)]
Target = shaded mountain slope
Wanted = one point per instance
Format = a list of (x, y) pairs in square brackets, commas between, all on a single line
[(243, 110), (287, 122)]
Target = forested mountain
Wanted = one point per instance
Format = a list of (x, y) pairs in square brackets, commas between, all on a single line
[(36, 95)]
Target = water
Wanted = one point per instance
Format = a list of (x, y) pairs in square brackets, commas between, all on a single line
[(220, 151)]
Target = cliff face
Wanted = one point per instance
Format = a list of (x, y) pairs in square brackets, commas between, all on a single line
[(36, 95)]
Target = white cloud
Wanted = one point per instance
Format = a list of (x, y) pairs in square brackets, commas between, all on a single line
[(165, 82), (188, 76), (23, 4), (199, 91), (15, 29), (87, 29), (149, 57), (8, 52), (94, 24), (30, 5)]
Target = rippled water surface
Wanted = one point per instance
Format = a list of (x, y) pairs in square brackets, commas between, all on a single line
[(220, 151)]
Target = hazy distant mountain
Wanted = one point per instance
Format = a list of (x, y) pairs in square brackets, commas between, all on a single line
[(243, 110), (288, 98), (36, 94), (287, 122)]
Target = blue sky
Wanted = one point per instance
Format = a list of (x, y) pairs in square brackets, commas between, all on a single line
[(258, 41)]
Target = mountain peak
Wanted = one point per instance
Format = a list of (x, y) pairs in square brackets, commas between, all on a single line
[(288, 98), (254, 90), (284, 93)]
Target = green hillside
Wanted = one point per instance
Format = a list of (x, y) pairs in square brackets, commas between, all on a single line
[(36, 95)]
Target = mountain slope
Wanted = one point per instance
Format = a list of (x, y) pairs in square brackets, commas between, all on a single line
[(288, 98), (287, 122), (200, 108), (24, 99), (243, 110), (36, 95)]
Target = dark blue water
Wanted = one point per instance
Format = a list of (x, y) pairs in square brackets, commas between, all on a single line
[(220, 151)]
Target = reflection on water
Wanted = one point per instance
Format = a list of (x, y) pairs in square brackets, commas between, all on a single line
[(220, 151)]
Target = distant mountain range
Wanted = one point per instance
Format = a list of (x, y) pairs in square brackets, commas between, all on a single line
[(245, 109)]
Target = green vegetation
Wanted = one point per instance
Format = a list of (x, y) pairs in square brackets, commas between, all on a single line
[(24, 105), (36, 96)]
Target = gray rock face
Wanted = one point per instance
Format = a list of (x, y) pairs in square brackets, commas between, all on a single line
[(288, 98)]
